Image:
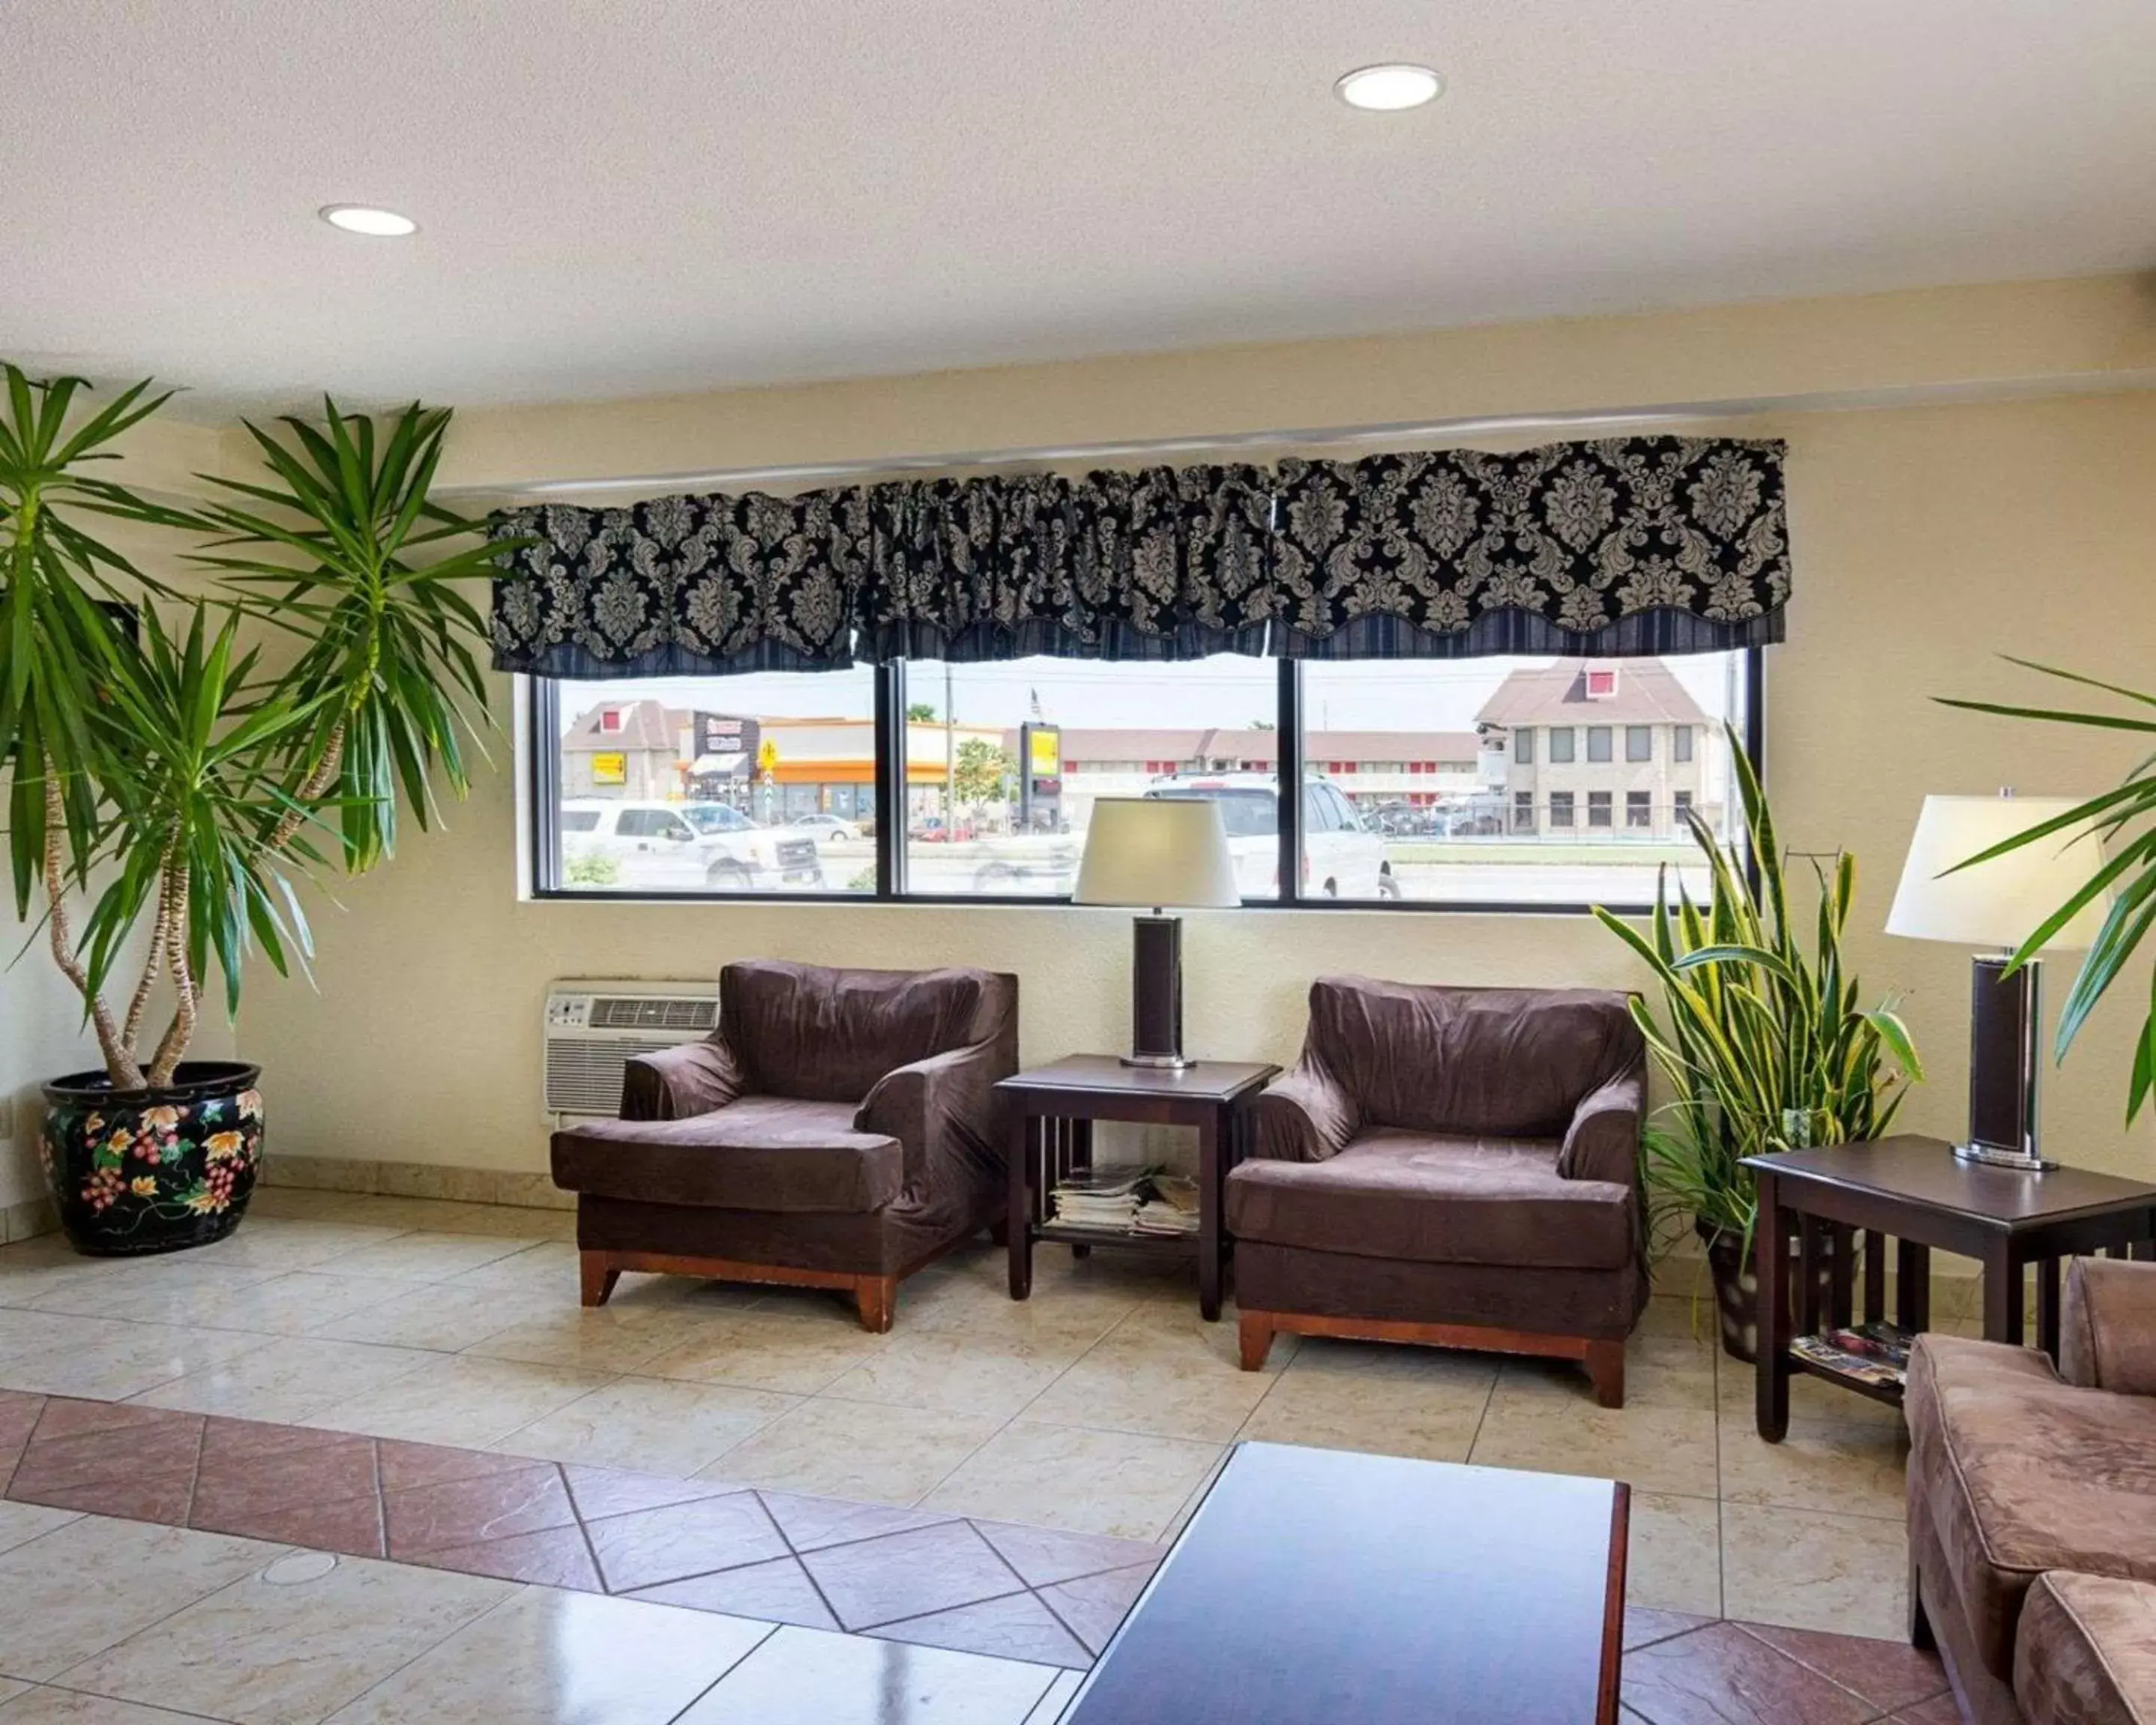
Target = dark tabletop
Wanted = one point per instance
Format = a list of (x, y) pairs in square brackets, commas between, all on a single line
[(1316, 1587), (1202, 1081), (1926, 1171)]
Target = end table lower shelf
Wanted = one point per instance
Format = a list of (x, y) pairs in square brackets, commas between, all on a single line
[(1052, 1111)]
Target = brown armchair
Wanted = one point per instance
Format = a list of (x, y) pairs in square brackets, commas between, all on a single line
[(1449, 1166), (2032, 1510), (840, 1129)]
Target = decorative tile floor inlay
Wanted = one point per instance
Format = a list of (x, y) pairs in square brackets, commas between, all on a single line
[(1681, 1669), (917, 1576)]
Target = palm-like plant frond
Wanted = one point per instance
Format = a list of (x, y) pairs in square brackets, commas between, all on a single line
[(347, 549), (2126, 817)]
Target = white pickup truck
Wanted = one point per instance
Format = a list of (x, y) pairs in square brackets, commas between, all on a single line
[(658, 845), (1341, 858)]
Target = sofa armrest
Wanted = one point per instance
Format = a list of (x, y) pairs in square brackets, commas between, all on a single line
[(1602, 1142), (2107, 1328), (678, 1083), (1305, 1114), (944, 1106)]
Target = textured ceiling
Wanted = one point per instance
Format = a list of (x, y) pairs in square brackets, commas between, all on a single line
[(622, 198)]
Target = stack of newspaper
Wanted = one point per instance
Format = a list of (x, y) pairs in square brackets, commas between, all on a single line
[(1105, 1198), (1173, 1208), (1875, 1353)]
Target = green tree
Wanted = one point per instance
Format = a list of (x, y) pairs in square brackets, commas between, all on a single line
[(920, 712), (982, 770)]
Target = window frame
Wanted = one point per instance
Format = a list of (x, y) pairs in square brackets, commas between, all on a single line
[(538, 701)]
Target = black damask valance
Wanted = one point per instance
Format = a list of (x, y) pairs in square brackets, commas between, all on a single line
[(1620, 548), (1165, 563), (681, 586)]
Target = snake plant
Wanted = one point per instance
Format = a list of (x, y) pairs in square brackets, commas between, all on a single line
[(1762, 1036)]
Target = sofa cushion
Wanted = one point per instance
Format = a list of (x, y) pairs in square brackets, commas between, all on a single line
[(1504, 1062), (2021, 1473), (827, 1036), (759, 1154), (2085, 1653), (1430, 1198)]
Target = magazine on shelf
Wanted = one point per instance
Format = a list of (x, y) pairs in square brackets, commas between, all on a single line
[(1864, 1369)]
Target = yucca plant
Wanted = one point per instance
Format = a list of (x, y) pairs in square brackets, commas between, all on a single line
[(161, 773), (189, 757), (347, 549), (1763, 1037), (2124, 817)]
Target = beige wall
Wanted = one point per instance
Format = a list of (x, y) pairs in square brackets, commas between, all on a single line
[(1926, 540)]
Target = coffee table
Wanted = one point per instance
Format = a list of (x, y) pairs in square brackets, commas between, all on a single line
[(1052, 1112), (1915, 1190), (1319, 1585)]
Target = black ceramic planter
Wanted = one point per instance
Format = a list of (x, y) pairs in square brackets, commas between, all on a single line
[(144, 1171), (1737, 1287)]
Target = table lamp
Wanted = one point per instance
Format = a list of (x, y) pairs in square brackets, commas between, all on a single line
[(1155, 852), (1998, 905)]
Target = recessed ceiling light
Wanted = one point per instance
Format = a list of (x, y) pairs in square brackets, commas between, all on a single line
[(1388, 89), (365, 219)]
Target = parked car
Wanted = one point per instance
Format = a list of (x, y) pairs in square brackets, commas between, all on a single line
[(1341, 858), (688, 847), (828, 829)]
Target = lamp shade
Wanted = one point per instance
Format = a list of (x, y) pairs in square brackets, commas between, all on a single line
[(1157, 851), (1998, 903)]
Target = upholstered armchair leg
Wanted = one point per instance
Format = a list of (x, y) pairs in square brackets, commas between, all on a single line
[(1605, 1365), (876, 1297), (1920, 1623), (1254, 1331), (598, 1276)]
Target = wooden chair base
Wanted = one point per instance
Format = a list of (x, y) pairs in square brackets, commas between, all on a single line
[(1604, 1360), (876, 1297)]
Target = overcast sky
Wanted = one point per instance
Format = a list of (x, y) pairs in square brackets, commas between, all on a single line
[(1368, 695)]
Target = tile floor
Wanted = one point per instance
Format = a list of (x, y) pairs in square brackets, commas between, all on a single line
[(1100, 1407), (120, 1623), (912, 1576)]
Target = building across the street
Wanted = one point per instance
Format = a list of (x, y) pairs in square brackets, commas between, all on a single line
[(1601, 748)]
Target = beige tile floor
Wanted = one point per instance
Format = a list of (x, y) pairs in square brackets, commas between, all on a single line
[(117, 1623), (1102, 1404)]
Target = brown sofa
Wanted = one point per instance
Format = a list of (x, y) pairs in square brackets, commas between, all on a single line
[(1449, 1166), (2032, 1511), (840, 1129)]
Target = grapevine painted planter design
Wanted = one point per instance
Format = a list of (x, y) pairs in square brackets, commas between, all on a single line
[(153, 1170)]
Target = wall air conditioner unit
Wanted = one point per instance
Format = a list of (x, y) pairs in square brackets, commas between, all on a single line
[(592, 1028)]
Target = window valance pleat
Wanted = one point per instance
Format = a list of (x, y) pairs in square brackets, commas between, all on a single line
[(1616, 548)]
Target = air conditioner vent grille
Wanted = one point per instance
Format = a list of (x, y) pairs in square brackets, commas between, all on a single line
[(653, 1012)]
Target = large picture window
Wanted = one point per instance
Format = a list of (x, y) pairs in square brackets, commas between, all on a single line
[(691, 785), (1421, 782)]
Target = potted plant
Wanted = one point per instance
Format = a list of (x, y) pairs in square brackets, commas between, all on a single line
[(2121, 815), (1765, 1045), (161, 778)]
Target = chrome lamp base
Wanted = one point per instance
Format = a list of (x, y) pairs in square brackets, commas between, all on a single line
[(1999, 1156), (1156, 1062)]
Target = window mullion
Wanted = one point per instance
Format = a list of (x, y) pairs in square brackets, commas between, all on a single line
[(1289, 887), (890, 780)]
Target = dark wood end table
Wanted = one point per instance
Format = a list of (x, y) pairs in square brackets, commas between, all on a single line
[(1915, 1190), (1316, 1587), (1050, 1136)]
